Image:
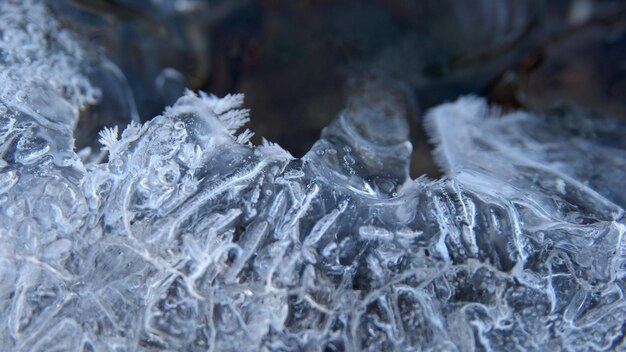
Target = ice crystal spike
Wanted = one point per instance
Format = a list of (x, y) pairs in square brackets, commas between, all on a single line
[(191, 238), (366, 148)]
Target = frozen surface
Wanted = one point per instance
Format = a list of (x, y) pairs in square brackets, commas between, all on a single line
[(190, 238)]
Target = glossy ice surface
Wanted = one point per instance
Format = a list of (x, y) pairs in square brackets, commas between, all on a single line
[(191, 238)]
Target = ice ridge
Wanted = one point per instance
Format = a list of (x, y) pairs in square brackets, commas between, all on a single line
[(191, 238)]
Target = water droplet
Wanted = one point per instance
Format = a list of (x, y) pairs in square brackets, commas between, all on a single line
[(116, 166), (20, 96)]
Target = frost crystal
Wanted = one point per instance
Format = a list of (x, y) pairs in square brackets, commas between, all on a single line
[(190, 238)]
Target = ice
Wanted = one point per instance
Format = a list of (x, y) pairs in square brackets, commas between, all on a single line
[(188, 237)]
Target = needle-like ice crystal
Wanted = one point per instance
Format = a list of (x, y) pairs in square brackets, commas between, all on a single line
[(190, 238)]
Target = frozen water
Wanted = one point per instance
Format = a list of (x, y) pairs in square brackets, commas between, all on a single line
[(190, 238)]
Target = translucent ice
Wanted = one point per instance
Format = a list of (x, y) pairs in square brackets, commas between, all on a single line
[(190, 238)]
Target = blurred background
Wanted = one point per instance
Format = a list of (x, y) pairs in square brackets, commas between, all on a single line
[(293, 59)]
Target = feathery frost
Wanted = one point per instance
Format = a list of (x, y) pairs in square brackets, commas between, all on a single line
[(189, 238)]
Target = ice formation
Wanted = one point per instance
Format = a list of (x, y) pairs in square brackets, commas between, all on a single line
[(191, 238)]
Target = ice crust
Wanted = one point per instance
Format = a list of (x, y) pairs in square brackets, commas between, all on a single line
[(189, 238)]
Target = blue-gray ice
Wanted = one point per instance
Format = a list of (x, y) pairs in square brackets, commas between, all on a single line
[(189, 238)]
